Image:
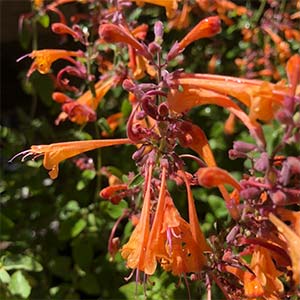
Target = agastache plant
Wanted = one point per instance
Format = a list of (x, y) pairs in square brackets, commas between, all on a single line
[(263, 205)]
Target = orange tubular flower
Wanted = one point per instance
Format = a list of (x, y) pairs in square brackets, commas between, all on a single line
[(263, 267), (292, 241), (169, 5), (139, 65), (156, 244), (293, 73), (229, 124), (262, 98), (194, 222), (282, 47), (290, 216), (207, 27), (177, 244), (113, 122), (185, 254), (134, 251), (55, 153), (182, 20), (214, 176), (112, 33), (83, 109), (251, 284), (196, 140), (43, 59)]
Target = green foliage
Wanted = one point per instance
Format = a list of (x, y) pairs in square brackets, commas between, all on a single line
[(55, 233)]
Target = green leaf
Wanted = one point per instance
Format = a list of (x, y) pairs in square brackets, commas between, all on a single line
[(61, 267), (4, 276), (25, 36), (44, 20), (218, 206), (137, 180), (132, 290), (82, 252), (43, 85), (18, 261), (102, 122), (115, 211), (126, 108), (19, 285), (89, 174), (6, 223), (78, 227), (89, 284)]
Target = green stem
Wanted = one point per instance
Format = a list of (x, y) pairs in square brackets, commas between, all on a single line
[(34, 46), (260, 11)]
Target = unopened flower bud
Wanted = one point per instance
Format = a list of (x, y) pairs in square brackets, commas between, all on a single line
[(163, 109), (158, 30), (250, 193), (231, 237), (138, 153), (114, 247), (294, 163), (164, 163), (284, 116), (60, 97), (174, 51), (60, 28), (140, 115), (233, 154), (278, 197), (154, 48), (128, 85), (243, 146), (285, 174), (262, 163)]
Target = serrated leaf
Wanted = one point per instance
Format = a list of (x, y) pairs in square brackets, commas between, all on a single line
[(19, 285), (23, 262), (137, 180), (4, 276)]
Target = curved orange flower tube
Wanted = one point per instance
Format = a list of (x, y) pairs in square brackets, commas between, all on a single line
[(214, 176), (263, 267), (207, 27), (262, 98), (292, 241), (112, 33), (57, 152), (196, 140), (169, 5), (83, 109), (134, 251), (43, 59)]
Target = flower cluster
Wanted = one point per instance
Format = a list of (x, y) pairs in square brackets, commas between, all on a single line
[(114, 52)]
